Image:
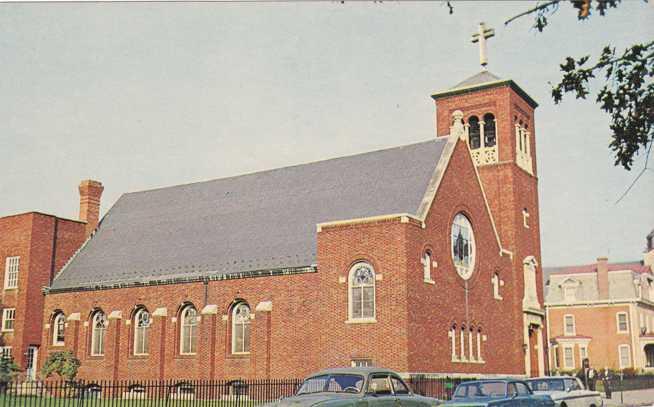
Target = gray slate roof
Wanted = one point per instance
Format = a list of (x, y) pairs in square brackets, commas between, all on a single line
[(260, 221), (478, 79)]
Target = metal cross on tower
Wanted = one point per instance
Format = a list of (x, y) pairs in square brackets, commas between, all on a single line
[(482, 34)]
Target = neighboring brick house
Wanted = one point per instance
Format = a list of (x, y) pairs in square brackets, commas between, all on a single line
[(421, 258), (603, 312), (33, 247)]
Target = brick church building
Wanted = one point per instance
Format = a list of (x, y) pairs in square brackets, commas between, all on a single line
[(422, 258)]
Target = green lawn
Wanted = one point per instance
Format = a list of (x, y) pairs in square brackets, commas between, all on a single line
[(26, 401)]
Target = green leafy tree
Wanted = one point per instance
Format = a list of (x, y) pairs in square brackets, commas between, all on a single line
[(64, 364), (8, 371), (627, 94)]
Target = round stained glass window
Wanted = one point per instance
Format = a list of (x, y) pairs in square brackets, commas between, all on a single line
[(463, 246)]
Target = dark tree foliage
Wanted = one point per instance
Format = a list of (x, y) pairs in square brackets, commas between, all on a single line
[(628, 91)]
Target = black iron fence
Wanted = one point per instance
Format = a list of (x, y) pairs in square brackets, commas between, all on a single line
[(186, 393)]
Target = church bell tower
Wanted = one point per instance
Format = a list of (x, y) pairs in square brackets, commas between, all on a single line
[(498, 120)]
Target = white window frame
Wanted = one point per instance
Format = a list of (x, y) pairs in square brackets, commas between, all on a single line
[(58, 322), (188, 329), (6, 352), (362, 287), (569, 289), (98, 333), (496, 282), (617, 322), (583, 352), (241, 318), (565, 325), (427, 263), (361, 362), (462, 221), (628, 354), (142, 323), (452, 335), (565, 359), (12, 270), (479, 338), (525, 218), (8, 315)]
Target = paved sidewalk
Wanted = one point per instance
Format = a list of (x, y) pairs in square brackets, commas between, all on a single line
[(631, 398)]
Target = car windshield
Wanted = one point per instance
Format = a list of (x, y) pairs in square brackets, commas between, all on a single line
[(480, 389), (546, 384), (334, 383)]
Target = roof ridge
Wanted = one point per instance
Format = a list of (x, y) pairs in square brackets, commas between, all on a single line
[(435, 139)]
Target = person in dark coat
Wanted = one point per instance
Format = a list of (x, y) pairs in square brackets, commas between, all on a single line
[(606, 381), (587, 375)]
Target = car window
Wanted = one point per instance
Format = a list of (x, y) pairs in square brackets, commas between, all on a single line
[(398, 386), (379, 384), (571, 384), (481, 389), (522, 388), (512, 390), (336, 383)]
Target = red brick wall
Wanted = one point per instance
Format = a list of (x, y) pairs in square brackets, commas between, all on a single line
[(292, 326), (434, 308), (508, 188), (32, 237)]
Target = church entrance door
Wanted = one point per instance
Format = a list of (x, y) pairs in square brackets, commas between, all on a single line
[(533, 350)]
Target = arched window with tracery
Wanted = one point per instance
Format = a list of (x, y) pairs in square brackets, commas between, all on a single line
[(474, 132), (489, 130), (362, 292), (141, 331), (241, 328), (98, 331), (188, 330), (58, 329)]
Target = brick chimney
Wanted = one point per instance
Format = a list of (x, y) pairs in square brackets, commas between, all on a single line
[(89, 203), (603, 277)]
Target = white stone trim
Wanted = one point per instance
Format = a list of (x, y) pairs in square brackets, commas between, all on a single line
[(160, 312), (209, 309), (115, 315), (75, 316), (264, 306), (362, 321)]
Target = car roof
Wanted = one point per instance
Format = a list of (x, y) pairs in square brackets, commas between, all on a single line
[(352, 370), (499, 379), (550, 377)]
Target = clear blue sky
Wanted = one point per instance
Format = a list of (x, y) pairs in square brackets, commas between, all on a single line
[(148, 95)]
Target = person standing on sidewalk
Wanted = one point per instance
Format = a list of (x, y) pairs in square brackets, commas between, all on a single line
[(606, 381), (587, 375)]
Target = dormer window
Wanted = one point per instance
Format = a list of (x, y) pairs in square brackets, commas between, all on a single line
[(569, 290)]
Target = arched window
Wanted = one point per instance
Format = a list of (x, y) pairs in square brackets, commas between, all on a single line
[(141, 329), (453, 340), (474, 132), (426, 265), (496, 282), (489, 130), (241, 328), (58, 328), (188, 330), (463, 342), (479, 339), (362, 292), (98, 330), (463, 246)]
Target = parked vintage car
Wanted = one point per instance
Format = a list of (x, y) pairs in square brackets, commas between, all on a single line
[(351, 386), (566, 391), (497, 393)]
